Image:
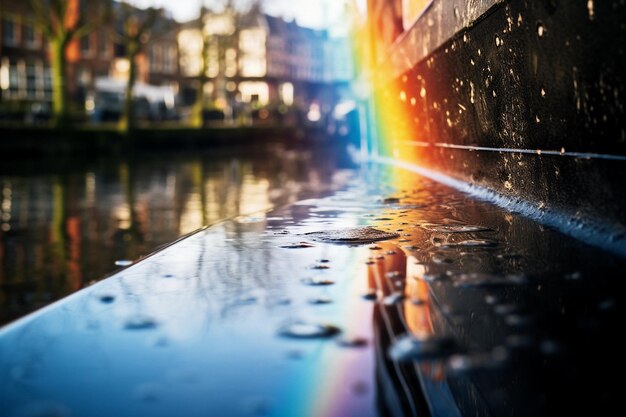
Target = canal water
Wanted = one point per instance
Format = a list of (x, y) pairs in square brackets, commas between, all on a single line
[(67, 224)]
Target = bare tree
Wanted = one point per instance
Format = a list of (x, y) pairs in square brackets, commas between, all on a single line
[(198, 106), (235, 10), (134, 33), (63, 21)]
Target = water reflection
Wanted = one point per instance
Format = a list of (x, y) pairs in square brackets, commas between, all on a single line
[(64, 227)]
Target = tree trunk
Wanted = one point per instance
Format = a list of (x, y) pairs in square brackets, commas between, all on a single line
[(198, 107), (127, 121), (60, 111)]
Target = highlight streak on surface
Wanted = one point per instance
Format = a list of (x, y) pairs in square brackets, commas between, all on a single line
[(591, 231), (581, 155)]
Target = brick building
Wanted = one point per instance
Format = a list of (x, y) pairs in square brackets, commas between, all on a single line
[(24, 59), (271, 61)]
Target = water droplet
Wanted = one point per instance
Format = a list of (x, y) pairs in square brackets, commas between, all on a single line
[(147, 392), (484, 280), (295, 354), (422, 92), (518, 320), (549, 347), (541, 30), (391, 200), (607, 305), (43, 409), (454, 228), (371, 295), (161, 341), (543, 92), (574, 276), (520, 341), (318, 281), (352, 341), (491, 299), (441, 259), (432, 277), (244, 300), (303, 330), (483, 243), (258, 406), (590, 9), (123, 262), (480, 361), (140, 322), (299, 245), (393, 298), (408, 348), (393, 274), (282, 301), (506, 309), (320, 300), (107, 298), (353, 235), (498, 41)]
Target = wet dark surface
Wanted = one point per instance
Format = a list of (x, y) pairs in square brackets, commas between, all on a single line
[(65, 224), (528, 101), (471, 310)]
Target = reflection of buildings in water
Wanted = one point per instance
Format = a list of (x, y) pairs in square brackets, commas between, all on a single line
[(66, 230), (401, 384)]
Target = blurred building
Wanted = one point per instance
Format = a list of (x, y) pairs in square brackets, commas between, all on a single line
[(24, 59), (264, 60), (254, 60)]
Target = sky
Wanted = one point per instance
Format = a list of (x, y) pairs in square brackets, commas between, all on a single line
[(311, 13)]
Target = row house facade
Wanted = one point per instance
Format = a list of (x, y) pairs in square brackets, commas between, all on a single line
[(24, 58), (264, 59)]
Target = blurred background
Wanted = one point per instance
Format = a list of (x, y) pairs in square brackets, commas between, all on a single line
[(188, 62), (80, 79)]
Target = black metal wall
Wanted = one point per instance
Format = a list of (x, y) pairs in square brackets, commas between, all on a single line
[(528, 100)]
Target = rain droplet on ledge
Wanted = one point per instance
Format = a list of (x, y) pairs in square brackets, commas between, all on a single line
[(317, 281), (140, 322), (409, 348), (304, 330)]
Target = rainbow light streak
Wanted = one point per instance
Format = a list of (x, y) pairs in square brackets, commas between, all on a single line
[(324, 382), (397, 106)]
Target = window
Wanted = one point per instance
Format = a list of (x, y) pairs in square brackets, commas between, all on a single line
[(103, 44), (47, 82), (156, 57), (8, 32), (4, 74), (230, 62), (169, 59), (31, 37), (31, 79), (84, 77), (85, 45), (214, 65), (252, 66)]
